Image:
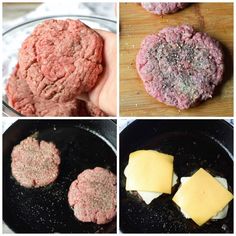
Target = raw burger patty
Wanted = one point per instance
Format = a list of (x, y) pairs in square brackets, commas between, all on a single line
[(163, 8), (23, 101), (94, 110), (179, 66), (35, 163), (61, 59), (93, 196)]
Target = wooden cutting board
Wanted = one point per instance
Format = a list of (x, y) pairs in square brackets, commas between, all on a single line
[(135, 23)]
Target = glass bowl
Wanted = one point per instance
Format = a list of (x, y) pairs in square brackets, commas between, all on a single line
[(14, 37)]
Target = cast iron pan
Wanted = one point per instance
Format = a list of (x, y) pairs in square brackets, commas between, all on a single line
[(195, 144), (46, 209)]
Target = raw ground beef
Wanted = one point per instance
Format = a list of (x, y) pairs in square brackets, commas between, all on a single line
[(61, 59), (35, 163), (94, 110), (23, 101), (180, 66), (163, 8), (93, 196)]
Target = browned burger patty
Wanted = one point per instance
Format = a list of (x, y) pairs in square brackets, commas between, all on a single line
[(93, 196), (35, 163)]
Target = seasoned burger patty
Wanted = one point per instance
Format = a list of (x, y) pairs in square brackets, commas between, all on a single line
[(179, 66), (23, 101), (35, 163), (163, 8), (93, 196), (61, 59)]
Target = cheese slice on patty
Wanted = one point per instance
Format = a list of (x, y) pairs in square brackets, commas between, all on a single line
[(220, 215), (149, 171), (148, 197), (201, 197)]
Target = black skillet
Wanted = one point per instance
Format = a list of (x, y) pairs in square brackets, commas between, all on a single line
[(46, 210), (195, 144)]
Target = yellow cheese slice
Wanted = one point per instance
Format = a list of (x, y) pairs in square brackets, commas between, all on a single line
[(202, 197), (150, 171), (221, 214), (149, 196)]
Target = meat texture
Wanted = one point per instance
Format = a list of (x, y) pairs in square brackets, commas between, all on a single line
[(179, 66), (23, 101), (35, 163), (163, 8), (61, 59), (93, 196)]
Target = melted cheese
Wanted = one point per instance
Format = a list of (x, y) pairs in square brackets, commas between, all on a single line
[(149, 171), (220, 215), (202, 197), (149, 196)]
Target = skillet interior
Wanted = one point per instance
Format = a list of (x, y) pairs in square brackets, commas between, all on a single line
[(45, 210), (195, 144)]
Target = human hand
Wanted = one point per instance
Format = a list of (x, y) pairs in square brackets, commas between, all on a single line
[(104, 93)]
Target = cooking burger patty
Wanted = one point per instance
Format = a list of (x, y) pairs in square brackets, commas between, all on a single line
[(179, 66), (61, 59), (93, 196), (35, 163), (162, 8)]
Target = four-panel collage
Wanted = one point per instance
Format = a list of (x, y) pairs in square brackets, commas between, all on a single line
[(117, 117)]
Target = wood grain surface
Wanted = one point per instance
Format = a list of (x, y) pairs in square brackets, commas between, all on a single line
[(135, 23)]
